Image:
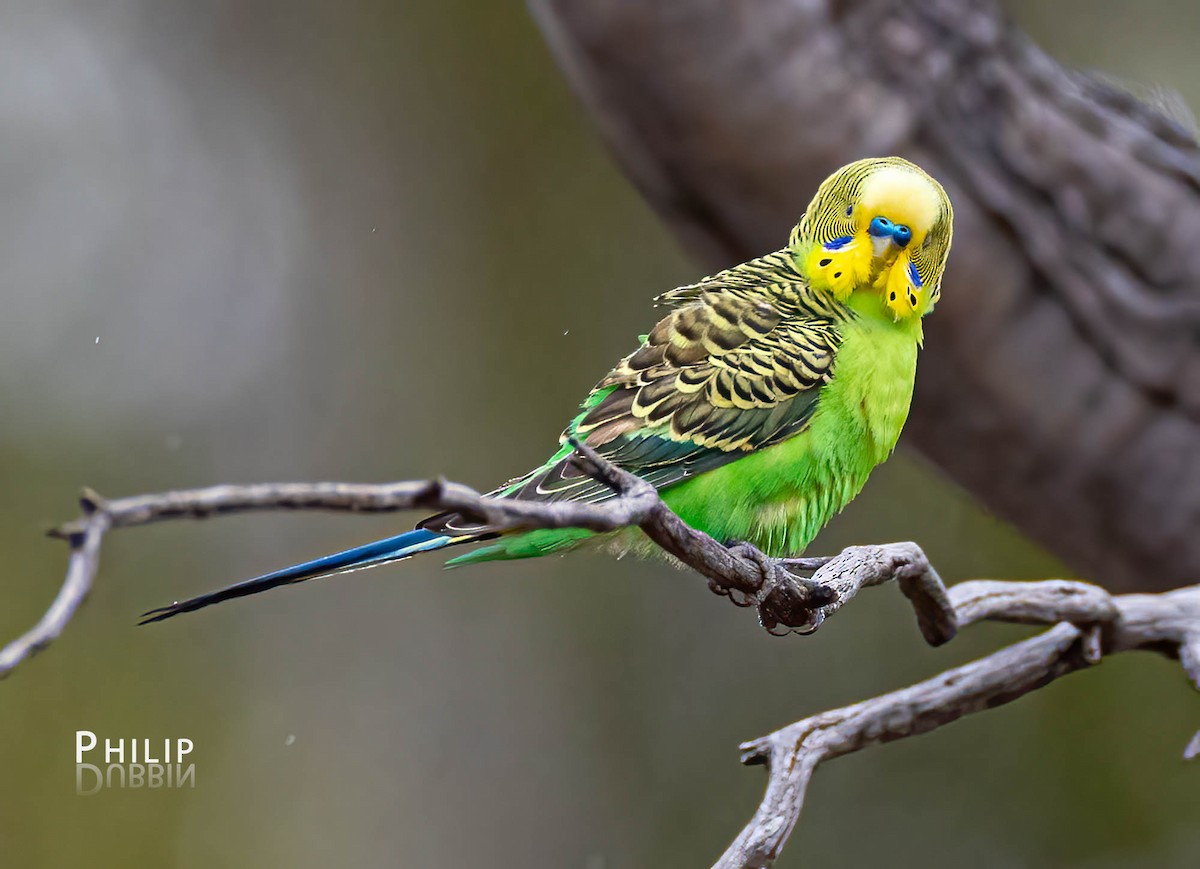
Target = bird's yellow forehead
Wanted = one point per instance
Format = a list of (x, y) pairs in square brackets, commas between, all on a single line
[(903, 196)]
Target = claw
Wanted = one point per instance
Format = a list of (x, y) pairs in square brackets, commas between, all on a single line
[(785, 602)]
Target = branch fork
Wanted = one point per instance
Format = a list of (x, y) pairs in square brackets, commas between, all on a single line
[(1088, 623)]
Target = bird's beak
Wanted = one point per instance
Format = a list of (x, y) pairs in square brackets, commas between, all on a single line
[(887, 240), (884, 249)]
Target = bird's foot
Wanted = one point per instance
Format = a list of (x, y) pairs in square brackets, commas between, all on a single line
[(786, 603)]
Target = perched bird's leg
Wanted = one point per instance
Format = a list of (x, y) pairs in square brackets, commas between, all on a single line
[(785, 602)]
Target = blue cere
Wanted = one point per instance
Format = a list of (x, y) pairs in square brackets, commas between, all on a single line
[(880, 227)]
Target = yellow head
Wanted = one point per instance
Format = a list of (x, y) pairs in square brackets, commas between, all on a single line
[(880, 225)]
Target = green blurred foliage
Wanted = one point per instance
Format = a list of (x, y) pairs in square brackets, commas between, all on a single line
[(372, 240)]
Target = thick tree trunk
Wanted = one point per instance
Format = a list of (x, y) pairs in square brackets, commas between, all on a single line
[(1061, 376)]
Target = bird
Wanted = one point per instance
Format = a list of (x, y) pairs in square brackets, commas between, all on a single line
[(757, 407)]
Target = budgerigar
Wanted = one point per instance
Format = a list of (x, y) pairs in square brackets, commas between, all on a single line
[(757, 406)]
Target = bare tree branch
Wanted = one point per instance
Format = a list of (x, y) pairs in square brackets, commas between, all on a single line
[(81, 571), (784, 601), (1061, 376), (1093, 624)]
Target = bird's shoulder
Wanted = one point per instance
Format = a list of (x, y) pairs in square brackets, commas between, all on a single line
[(774, 280)]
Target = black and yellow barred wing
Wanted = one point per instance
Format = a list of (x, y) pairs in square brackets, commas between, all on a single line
[(735, 367)]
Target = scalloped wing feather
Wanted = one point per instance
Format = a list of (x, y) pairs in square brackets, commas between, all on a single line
[(735, 367)]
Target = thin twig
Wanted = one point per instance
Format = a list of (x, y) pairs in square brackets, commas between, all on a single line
[(81, 569)]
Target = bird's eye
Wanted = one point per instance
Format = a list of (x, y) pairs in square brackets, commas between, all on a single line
[(849, 210)]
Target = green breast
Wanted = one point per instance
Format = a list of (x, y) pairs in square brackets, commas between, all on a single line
[(780, 497)]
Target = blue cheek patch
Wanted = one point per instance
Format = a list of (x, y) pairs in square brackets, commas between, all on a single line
[(914, 274), (838, 243)]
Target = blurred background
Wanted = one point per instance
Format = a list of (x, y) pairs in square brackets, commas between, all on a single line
[(245, 241)]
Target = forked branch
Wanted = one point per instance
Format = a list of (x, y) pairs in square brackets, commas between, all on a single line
[(1093, 623), (1089, 623)]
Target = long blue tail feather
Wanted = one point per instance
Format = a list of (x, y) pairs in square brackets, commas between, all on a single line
[(368, 555)]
